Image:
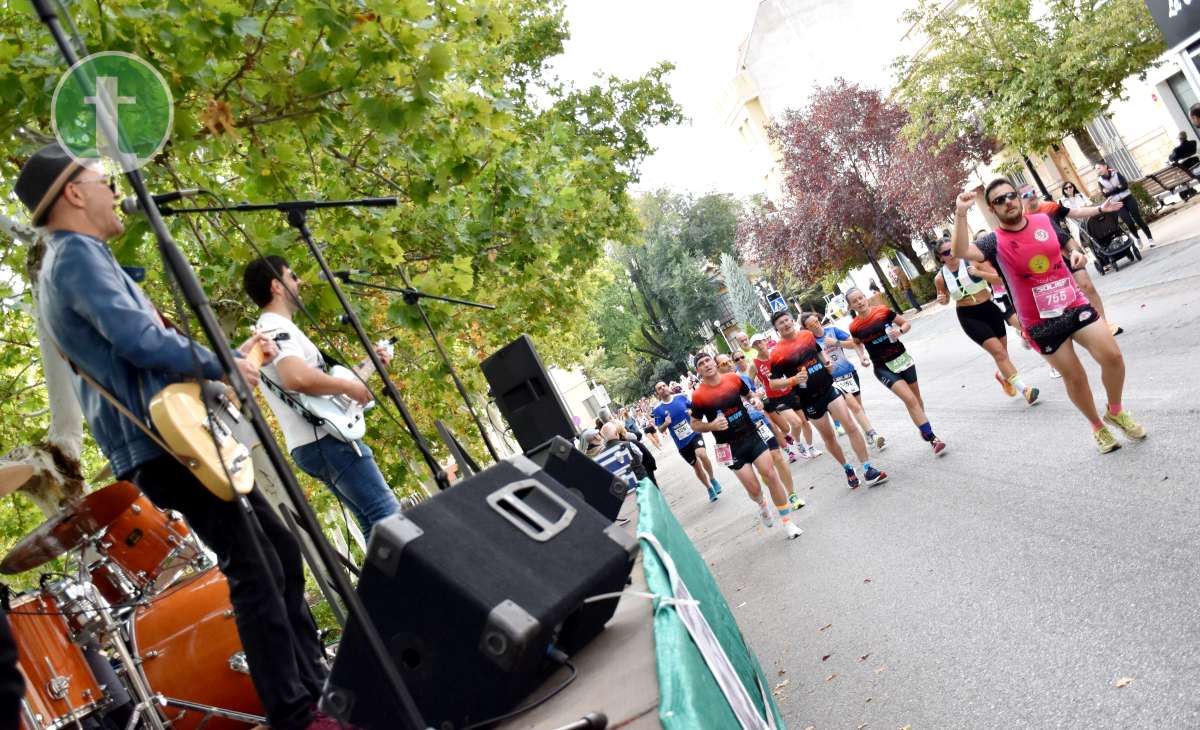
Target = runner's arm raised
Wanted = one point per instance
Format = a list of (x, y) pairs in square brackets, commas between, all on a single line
[(960, 237)]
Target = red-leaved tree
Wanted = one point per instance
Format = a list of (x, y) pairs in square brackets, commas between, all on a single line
[(852, 186)]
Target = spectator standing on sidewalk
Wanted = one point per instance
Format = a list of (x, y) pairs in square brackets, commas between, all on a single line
[(1115, 187), (904, 284)]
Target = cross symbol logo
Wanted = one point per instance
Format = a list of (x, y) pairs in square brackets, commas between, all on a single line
[(112, 91), (106, 101)]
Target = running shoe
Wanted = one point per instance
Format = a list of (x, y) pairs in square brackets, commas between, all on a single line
[(765, 513), (814, 452), (873, 476), (852, 479), (712, 495), (1054, 373), (1031, 394), (939, 446), (840, 431), (1131, 428), (716, 486), (879, 440), (795, 501), (1105, 441), (1008, 387), (792, 531), (1115, 328), (791, 456)]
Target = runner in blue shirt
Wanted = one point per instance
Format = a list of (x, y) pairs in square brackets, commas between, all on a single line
[(834, 342), (672, 415)]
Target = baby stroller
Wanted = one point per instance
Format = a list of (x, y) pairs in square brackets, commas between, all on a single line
[(1110, 242)]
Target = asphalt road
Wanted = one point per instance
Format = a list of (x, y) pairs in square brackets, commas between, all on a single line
[(1013, 583)]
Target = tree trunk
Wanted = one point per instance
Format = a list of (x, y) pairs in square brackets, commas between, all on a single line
[(910, 253), (1066, 168), (1087, 146), (883, 280)]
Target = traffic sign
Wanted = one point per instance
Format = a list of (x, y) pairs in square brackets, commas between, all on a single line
[(777, 302)]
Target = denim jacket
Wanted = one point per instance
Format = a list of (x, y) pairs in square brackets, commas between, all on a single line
[(107, 327)]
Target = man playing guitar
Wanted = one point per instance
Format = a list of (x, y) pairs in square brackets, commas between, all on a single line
[(346, 467), (110, 331)]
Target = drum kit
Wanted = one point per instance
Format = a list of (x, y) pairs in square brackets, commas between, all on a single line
[(142, 632)]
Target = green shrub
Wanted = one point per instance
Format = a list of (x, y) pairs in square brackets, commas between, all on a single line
[(923, 288), (1147, 202)]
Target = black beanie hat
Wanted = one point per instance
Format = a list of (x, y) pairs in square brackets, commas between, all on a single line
[(43, 178)]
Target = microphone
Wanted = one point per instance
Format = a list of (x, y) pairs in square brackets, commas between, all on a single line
[(133, 206), (344, 274)]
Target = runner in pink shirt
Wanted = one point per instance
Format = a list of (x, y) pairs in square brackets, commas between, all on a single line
[(1052, 310)]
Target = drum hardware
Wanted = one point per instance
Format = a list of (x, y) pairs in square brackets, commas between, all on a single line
[(238, 663)]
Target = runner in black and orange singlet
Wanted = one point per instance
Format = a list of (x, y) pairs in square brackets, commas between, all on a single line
[(879, 330), (717, 407), (799, 365)]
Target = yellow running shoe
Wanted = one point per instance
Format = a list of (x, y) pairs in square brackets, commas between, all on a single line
[(1128, 426), (1105, 441), (1009, 389)]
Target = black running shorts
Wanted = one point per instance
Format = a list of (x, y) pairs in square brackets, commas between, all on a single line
[(746, 450), (782, 403), (1049, 334), (817, 406), (888, 378), (982, 321), (688, 450)]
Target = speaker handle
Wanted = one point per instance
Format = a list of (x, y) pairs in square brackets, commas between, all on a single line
[(509, 502)]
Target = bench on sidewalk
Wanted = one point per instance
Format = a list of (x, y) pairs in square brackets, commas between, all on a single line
[(1170, 178)]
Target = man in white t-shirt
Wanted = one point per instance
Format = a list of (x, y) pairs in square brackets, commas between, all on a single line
[(348, 469)]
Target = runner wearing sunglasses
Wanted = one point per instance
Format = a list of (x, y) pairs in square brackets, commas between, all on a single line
[(979, 317), (1025, 249)]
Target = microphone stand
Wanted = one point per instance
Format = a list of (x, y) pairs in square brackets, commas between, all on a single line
[(297, 217), (413, 297), (196, 299)]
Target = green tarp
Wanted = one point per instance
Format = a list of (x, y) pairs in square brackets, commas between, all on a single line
[(690, 696)]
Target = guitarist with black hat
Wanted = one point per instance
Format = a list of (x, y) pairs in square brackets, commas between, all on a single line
[(111, 333)]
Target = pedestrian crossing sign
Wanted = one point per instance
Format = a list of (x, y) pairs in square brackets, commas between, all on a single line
[(777, 302)]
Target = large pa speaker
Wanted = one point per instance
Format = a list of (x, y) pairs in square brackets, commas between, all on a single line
[(525, 394), (599, 487), (472, 590)]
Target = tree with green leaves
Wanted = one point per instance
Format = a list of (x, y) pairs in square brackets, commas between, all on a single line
[(1027, 74), (742, 294), (510, 183)]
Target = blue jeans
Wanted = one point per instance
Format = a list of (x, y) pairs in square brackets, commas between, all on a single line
[(353, 477)]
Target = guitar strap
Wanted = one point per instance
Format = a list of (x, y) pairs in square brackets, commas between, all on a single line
[(291, 401), (121, 408)]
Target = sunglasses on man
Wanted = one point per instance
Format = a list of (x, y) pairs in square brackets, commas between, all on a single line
[(739, 358), (107, 181), (1002, 199)]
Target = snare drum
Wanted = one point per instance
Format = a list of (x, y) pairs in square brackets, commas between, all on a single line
[(189, 647), (143, 551), (59, 685)]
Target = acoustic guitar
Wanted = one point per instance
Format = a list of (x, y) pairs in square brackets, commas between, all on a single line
[(204, 427)]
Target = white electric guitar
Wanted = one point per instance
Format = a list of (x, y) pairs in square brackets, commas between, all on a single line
[(339, 415)]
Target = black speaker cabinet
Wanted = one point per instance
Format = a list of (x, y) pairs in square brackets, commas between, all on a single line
[(598, 486), (470, 591), (525, 394)]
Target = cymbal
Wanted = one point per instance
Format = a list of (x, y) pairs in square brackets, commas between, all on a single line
[(12, 476), (71, 528)]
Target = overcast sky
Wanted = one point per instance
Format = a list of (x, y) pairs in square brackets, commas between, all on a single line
[(701, 37), (855, 38)]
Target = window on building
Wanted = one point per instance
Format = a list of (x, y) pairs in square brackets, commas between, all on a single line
[(1185, 96), (1018, 178)]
